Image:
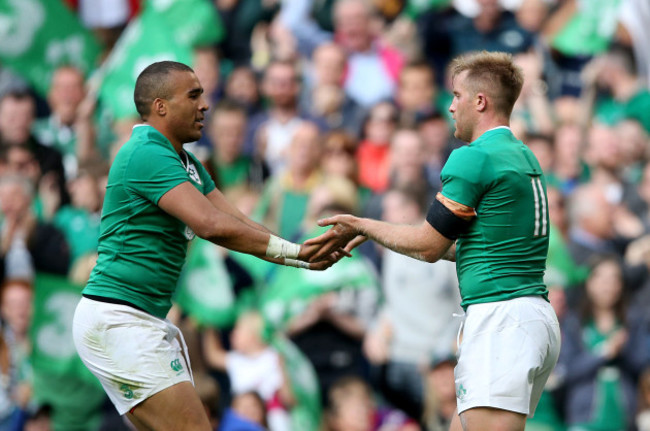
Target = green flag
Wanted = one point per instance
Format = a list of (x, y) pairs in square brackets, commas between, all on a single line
[(166, 30), (200, 24), (146, 40), (60, 378), (205, 290), (291, 290), (37, 36)]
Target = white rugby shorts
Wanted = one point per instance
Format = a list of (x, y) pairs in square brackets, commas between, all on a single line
[(507, 353), (133, 354)]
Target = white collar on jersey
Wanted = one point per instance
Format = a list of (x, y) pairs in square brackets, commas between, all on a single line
[(494, 128)]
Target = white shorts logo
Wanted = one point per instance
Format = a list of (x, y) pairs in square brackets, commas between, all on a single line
[(189, 233), (194, 174)]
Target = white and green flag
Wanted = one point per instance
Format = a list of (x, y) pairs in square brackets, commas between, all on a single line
[(37, 36), (166, 30)]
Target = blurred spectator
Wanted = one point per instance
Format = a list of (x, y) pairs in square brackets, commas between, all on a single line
[(228, 165), (532, 14), (270, 132), (592, 232), (373, 68), (532, 111), (626, 96), (209, 393), (323, 96), (16, 312), (633, 25), (284, 200), (106, 18), (206, 66), (407, 163), (602, 353), (253, 366), (417, 94), (351, 407), (339, 160), (440, 396), (240, 17), (568, 170), (576, 32), (633, 141), (69, 127), (437, 142), (328, 317), (40, 420), (448, 33), (16, 120), (415, 322), (28, 245), (373, 152), (247, 413), (79, 220), (242, 87)]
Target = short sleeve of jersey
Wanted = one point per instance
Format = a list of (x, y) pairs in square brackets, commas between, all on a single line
[(206, 180), (463, 176), (152, 171)]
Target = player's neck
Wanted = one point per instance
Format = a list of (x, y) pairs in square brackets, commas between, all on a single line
[(486, 124), (160, 127)]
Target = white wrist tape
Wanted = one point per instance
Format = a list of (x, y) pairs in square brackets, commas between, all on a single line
[(279, 248), (296, 263)]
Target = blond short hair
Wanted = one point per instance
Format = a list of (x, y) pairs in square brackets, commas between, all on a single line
[(493, 73)]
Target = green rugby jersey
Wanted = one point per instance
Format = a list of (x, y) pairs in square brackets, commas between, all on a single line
[(141, 247), (503, 254)]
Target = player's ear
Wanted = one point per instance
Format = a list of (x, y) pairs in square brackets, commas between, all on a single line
[(159, 107), (480, 102)]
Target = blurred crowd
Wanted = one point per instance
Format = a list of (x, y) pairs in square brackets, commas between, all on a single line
[(338, 106)]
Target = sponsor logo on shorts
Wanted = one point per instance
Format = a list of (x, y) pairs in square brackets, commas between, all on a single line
[(127, 391), (176, 365), (461, 392)]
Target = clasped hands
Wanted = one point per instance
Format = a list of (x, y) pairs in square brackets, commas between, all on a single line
[(325, 250)]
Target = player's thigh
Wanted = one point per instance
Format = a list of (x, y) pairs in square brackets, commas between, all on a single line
[(177, 408), (489, 419)]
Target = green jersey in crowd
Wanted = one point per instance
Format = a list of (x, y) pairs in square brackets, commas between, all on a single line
[(503, 253), (141, 247)]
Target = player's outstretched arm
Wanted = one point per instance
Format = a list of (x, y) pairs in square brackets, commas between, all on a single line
[(226, 229), (421, 242)]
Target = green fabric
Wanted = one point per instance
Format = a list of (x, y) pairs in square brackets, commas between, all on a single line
[(291, 290), (141, 248), (81, 229), (546, 416), (147, 39), (610, 111), (62, 139), (193, 23), (281, 209), (60, 378), (415, 8), (609, 412), (590, 30), (234, 174), (205, 289), (37, 36), (503, 253)]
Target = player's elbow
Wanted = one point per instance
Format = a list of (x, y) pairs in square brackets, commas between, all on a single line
[(208, 227), (430, 256)]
